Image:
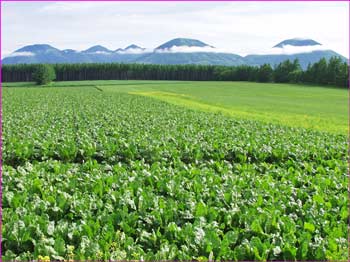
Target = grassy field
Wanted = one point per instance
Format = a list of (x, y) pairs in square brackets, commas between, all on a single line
[(319, 108), (128, 170)]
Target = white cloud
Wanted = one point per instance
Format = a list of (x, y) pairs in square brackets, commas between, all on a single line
[(188, 49), (100, 53), (135, 51), (21, 54), (65, 7), (285, 50), (289, 50)]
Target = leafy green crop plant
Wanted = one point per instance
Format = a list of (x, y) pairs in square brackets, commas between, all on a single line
[(112, 176)]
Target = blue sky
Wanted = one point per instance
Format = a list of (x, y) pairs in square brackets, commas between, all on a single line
[(238, 27)]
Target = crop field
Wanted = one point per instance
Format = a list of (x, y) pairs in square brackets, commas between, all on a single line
[(174, 170), (311, 107)]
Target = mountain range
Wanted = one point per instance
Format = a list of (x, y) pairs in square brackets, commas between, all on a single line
[(175, 51)]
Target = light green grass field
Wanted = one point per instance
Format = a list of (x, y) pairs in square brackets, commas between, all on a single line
[(319, 108)]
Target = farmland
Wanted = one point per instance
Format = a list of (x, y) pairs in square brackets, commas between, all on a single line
[(312, 107), (174, 170)]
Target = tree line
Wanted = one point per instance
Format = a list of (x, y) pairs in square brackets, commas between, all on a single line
[(333, 72)]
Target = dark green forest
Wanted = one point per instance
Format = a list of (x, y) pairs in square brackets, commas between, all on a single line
[(333, 72)]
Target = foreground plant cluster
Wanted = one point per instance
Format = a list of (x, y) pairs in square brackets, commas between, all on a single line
[(104, 175)]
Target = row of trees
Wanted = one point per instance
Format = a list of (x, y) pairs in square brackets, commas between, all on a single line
[(334, 72), (113, 71)]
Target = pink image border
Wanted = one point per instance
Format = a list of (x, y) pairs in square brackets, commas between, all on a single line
[(1, 111)]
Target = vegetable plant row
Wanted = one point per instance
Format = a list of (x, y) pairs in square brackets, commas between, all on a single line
[(106, 175)]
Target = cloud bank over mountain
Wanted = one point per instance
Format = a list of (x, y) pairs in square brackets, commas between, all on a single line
[(290, 50), (175, 51), (21, 54)]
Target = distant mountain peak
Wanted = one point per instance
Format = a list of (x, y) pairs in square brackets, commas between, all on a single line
[(183, 42), (97, 48), (36, 48), (297, 42), (132, 47)]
